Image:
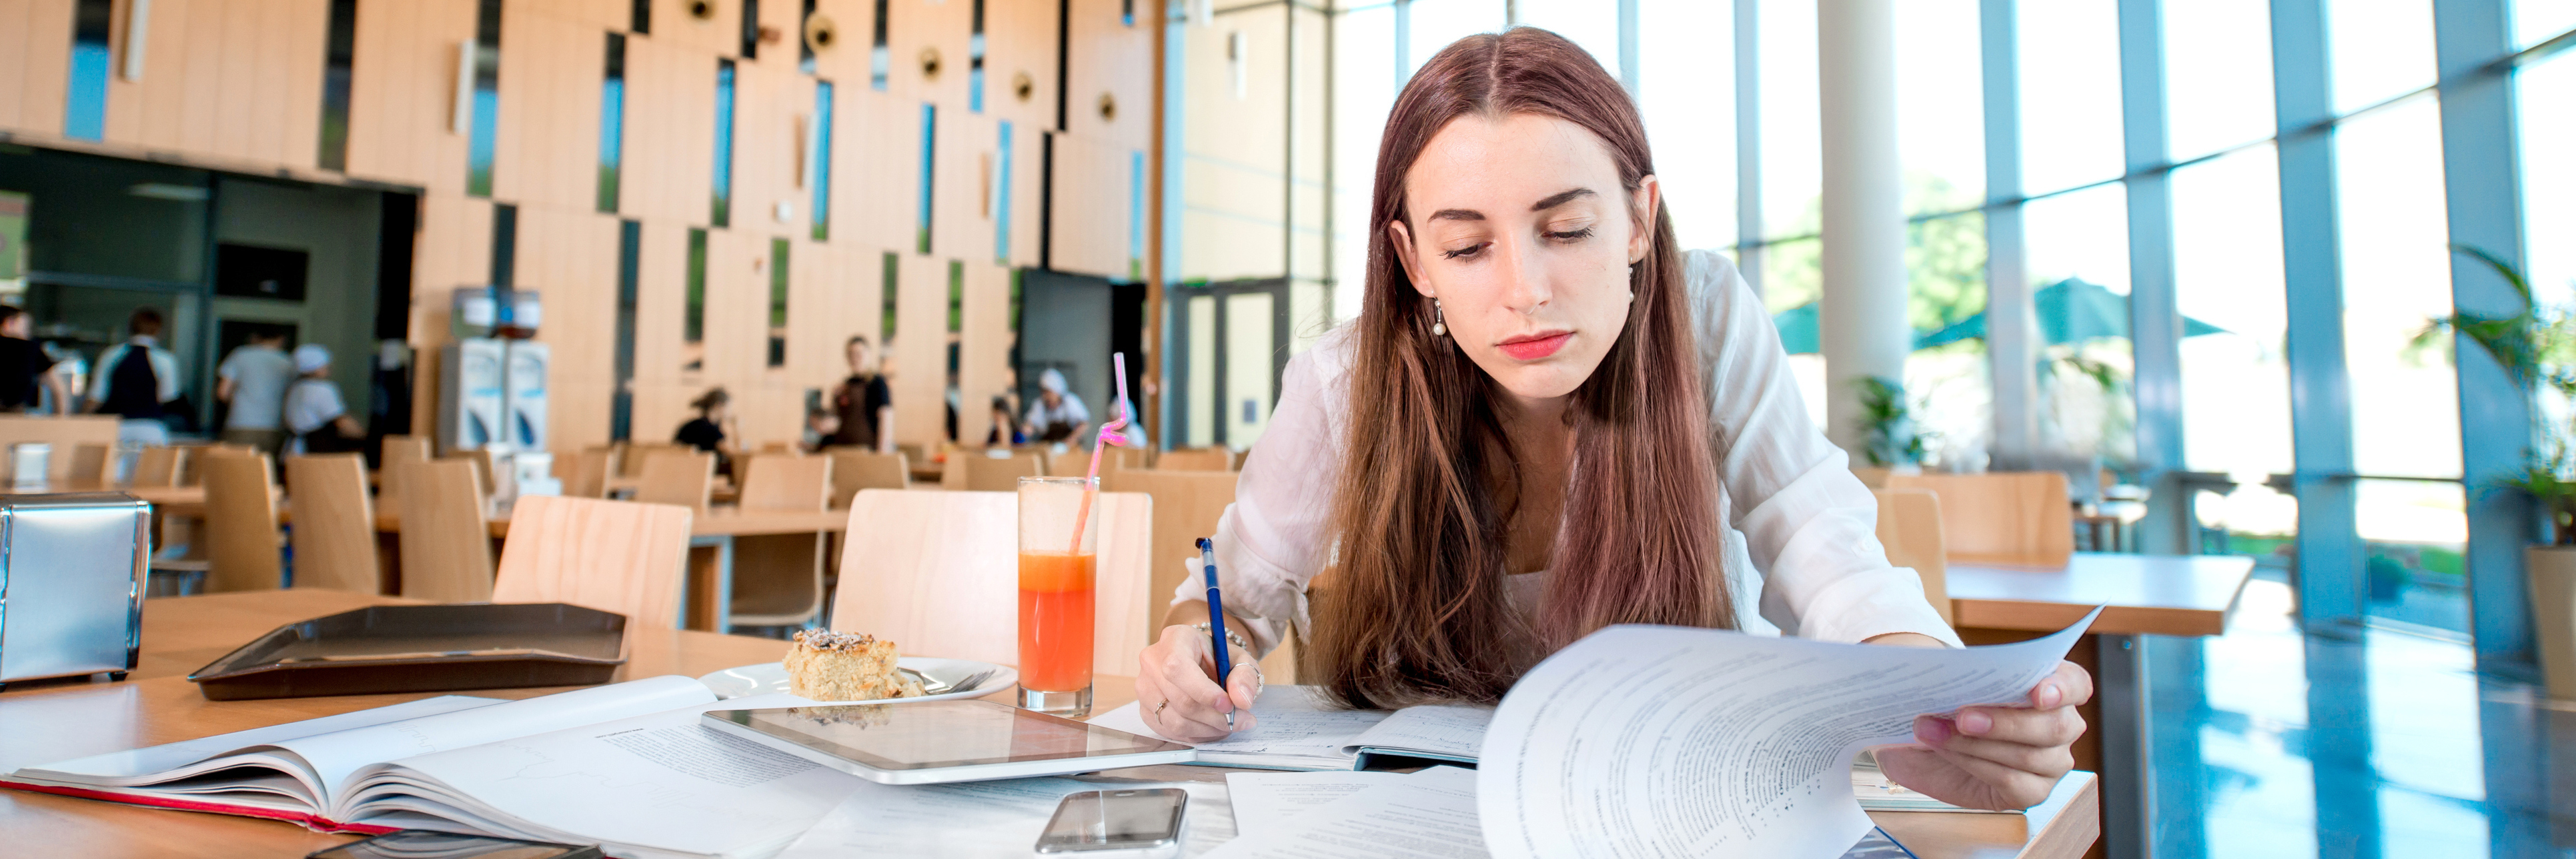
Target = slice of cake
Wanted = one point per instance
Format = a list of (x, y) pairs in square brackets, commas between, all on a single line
[(825, 665)]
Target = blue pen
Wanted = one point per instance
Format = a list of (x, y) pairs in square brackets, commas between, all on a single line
[(1216, 620)]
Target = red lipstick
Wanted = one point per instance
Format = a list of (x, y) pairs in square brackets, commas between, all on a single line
[(1535, 346)]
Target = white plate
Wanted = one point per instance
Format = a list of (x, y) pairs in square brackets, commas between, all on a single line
[(767, 677)]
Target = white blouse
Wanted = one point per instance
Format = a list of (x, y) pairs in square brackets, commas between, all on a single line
[(1799, 517)]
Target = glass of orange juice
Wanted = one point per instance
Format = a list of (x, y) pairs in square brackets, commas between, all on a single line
[(1056, 606)]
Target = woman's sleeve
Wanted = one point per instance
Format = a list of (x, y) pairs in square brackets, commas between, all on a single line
[(1271, 540), (1808, 523)]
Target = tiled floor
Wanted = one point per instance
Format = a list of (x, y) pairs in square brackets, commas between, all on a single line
[(2273, 744)]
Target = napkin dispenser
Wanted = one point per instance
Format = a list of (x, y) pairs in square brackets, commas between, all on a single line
[(72, 572)]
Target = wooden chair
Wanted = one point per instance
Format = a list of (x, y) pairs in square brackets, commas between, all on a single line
[(397, 450), (938, 572), (89, 466), (682, 477), (241, 523), (1909, 525), (335, 523), (1187, 505), (1196, 459), (1077, 463), (609, 555), (2016, 518), (1872, 476), (778, 578), (591, 469), (631, 461), (404, 448), (974, 471), (486, 467), (857, 468), (159, 467), (446, 543), (65, 434)]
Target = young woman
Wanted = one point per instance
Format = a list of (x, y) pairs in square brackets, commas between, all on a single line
[(1536, 428), (707, 431)]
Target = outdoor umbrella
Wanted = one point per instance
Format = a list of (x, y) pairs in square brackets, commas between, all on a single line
[(2070, 311)]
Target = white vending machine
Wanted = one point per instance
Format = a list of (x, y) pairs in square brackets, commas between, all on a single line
[(470, 395), (524, 395)]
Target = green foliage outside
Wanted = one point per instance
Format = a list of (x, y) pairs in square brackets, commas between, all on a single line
[(2537, 346)]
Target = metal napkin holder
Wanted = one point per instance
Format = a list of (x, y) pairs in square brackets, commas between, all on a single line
[(72, 570)]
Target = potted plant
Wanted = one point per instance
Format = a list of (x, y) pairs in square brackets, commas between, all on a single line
[(2538, 348), (1887, 425)]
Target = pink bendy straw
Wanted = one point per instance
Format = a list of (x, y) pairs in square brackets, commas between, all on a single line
[(1109, 435)]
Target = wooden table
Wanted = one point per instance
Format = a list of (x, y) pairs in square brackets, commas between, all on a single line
[(2189, 595), (42, 722)]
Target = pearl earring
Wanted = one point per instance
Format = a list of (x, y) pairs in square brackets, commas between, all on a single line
[(1439, 323)]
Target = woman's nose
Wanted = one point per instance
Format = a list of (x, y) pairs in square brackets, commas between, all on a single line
[(1524, 278)]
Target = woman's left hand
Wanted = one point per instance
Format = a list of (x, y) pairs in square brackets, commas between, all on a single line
[(1996, 757)]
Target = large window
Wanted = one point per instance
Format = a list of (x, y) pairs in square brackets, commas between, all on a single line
[(2069, 54), (2218, 75), (2235, 375)]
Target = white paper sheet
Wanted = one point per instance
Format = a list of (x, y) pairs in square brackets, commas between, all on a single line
[(652, 785), (1665, 741), (1264, 803), (1428, 815), (1456, 731), (981, 820), (1294, 723), (335, 755)]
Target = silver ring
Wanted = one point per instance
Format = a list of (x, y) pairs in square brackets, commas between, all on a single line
[(1158, 708)]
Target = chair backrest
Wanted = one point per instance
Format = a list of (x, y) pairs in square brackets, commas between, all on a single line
[(335, 523), (634, 458), (1196, 459), (241, 523), (404, 448), (677, 476), (1187, 505), (938, 572), (780, 481), (485, 463), (159, 467), (2018, 518), (615, 556), (446, 543), (590, 472), (778, 578), (1116, 459), (1909, 525), (1872, 476), (973, 471), (856, 468), (89, 465), (64, 433), (769, 447)]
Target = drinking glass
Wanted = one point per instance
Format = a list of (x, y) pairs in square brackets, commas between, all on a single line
[(1056, 604)]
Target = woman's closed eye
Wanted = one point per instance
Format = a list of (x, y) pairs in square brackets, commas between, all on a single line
[(1571, 236), (1464, 252)]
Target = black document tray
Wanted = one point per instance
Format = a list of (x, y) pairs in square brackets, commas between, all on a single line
[(423, 648)]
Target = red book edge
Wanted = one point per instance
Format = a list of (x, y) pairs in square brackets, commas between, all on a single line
[(310, 821)]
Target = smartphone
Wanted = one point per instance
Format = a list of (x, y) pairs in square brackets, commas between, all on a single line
[(1139, 822), (425, 844)]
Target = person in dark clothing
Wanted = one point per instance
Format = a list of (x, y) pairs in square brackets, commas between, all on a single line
[(24, 365), (135, 380), (707, 431), (861, 401), (1005, 431)]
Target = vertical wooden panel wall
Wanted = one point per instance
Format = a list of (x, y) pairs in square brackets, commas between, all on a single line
[(237, 85)]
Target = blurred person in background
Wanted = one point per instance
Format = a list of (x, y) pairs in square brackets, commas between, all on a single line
[(136, 380), (24, 364), (707, 431), (821, 423), (253, 380), (1057, 415), (313, 410), (862, 400), (1006, 429)]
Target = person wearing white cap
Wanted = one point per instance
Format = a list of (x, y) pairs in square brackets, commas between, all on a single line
[(1057, 415), (314, 412)]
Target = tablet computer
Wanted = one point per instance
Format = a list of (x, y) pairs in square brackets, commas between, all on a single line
[(929, 742)]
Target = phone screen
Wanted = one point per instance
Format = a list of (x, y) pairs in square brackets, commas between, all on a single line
[(1115, 820)]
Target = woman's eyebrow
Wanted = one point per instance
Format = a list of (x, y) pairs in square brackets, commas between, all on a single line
[(1561, 198), (1455, 215)]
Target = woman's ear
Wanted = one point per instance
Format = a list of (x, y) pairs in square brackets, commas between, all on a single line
[(1402, 239), (1642, 204)]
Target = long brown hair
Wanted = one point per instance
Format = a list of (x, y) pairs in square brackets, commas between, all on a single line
[(1415, 608)]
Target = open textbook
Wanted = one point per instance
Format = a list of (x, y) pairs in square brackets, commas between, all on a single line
[(626, 766), (1297, 731)]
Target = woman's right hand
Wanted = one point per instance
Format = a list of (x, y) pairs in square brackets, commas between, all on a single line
[(1178, 698)]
